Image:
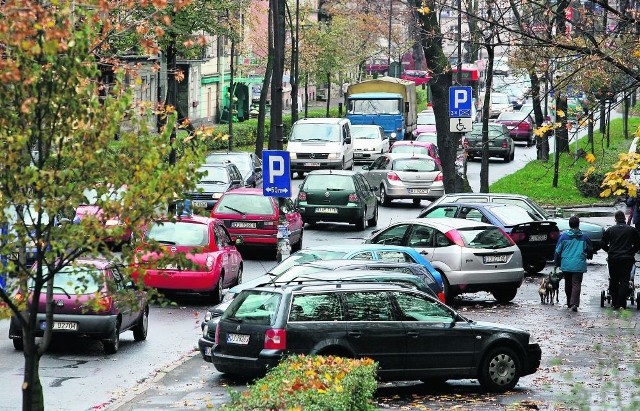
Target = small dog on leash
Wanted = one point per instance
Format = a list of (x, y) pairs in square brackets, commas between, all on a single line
[(549, 290)]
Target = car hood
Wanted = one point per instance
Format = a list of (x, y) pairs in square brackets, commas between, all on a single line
[(366, 143), (425, 128), (483, 325)]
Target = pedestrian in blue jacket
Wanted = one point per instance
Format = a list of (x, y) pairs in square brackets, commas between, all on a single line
[(572, 251)]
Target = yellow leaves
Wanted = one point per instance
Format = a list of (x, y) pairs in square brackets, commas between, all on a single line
[(26, 105), (159, 31), (179, 75), (560, 113), (590, 158), (423, 10)]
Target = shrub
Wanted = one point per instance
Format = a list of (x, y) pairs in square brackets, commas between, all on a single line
[(589, 186), (311, 383)]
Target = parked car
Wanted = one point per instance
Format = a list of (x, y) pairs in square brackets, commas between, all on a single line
[(499, 103), (536, 238), (412, 274), (417, 147), (408, 332), (205, 242), (520, 124), (337, 196), (419, 77), (461, 157), (119, 232), (500, 142), (369, 142), (248, 214), (471, 256), (403, 175), (249, 165), (216, 180), (594, 231), (92, 298), (426, 123)]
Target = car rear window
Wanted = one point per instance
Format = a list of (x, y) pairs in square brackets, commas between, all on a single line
[(484, 237), (324, 182), (179, 233), (214, 175), (512, 215), (414, 164), (305, 256), (255, 307), (255, 204), (75, 280), (410, 149), (514, 115)]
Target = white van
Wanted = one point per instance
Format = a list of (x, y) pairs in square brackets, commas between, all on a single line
[(320, 143), (499, 103)]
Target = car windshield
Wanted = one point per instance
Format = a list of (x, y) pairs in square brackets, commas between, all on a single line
[(494, 132), (499, 99), (365, 132), (386, 106), (255, 307), (325, 182), (530, 206), (74, 280), (179, 233), (243, 162), (484, 237), (513, 215), (414, 164), (410, 149), (304, 256), (513, 115), (429, 138), (214, 175), (247, 204), (315, 132), (426, 119)]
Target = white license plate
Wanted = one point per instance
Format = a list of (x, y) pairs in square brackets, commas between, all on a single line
[(242, 339), (538, 237), (418, 191), (240, 224), (312, 164), (358, 154), (170, 267), (327, 210), (207, 351), (199, 204), (63, 325), (490, 259)]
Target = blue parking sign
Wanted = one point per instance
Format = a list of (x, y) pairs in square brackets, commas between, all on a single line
[(460, 100), (276, 180)]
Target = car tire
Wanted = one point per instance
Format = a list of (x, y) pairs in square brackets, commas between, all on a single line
[(217, 292), (499, 370), (362, 222), (416, 202), (505, 294), (513, 155), (534, 267), (112, 344), (18, 344), (449, 295), (141, 329), (384, 199), (374, 221), (298, 244)]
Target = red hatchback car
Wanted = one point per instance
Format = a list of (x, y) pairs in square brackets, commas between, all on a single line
[(247, 213), (417, 147), (520, 124), (206, 243), (89, 301)]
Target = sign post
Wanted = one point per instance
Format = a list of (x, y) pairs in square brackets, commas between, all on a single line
[(276, 182)]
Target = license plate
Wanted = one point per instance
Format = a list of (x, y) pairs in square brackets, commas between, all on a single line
[(242, 339), (538, 237), (207, 351), (199, 204), (490, 259), (358, 154), (60, 325), (170, 267), (327, 210), (241, 224), (418, 191), (312, 164)]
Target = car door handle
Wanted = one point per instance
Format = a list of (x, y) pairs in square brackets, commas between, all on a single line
[(355, 334), (424, 252), (413, 334)]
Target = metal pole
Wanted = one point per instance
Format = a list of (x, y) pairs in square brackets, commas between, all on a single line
[(389, 39), (459, 74)]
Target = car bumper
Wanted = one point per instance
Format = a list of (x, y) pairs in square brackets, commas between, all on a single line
[(310, 165), (479, 279), (493, 152), (90, 325), (206, 347), (520, 135), (268, 240), (534, 356), (195, 281), (423, 193), (344, 214), (365, 156), (246, 366)]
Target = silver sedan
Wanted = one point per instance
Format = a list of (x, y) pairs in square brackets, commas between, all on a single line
[(405, 175)]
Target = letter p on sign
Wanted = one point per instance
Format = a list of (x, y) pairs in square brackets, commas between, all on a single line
[(276, 168), (460, 98)]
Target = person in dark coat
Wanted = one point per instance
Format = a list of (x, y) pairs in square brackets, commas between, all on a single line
[(621, 241), (572, 251)]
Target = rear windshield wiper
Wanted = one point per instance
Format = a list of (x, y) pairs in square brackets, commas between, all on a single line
[(63, 290), (235, 209), (235, 319), (335, 189), (213, 182)]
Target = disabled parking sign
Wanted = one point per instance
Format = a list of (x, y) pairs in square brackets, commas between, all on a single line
[(276, 180)]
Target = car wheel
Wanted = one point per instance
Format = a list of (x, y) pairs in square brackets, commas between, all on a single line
[(362, 222), (217, 293), (449, 295), (534, 267), (374, 221), (416, 202), (140, 330), (112, 343), (499, 370), (505, 294), (513, 154), (298, 245), (239, 276), (384, 199), (18, 344), (506, 157)]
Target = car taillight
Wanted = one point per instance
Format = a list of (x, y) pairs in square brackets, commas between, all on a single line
[(504, 144), (441, 297), (455, 237), (391, 176), (516, 237), (105, 303), (554, 235), (353, 198), (507, 236), (210, 261), (270, 223), (523, 126), (302, 196), (465, 142), (438, 177), (275, 339), (217, 339)]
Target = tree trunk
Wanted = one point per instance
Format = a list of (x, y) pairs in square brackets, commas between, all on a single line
[(264, 92), (328, 93), (278, 13), (603, 113), (562, 133), (625, 116), (172, 91), (32, 394), (231, 95), (486, 107)]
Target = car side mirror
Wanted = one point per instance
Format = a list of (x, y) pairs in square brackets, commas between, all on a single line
[(347, 140), (285, 140), (236, 182), (239, 241), (366, 167), (258, 169)]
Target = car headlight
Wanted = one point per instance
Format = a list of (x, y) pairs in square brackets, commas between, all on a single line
[(293, 156), (393, 135), (216, 196), (207, 316), (205, 330), (333, 156)]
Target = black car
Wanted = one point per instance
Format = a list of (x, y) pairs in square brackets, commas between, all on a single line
[(249, 165), (338, 270), (337, 196), (411, 335), (216, 180), (535, 237)]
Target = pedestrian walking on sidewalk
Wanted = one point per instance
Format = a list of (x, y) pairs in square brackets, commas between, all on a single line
[(621, 242), (572, 252)]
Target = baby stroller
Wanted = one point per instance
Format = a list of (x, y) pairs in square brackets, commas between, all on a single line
[(633, 298)]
